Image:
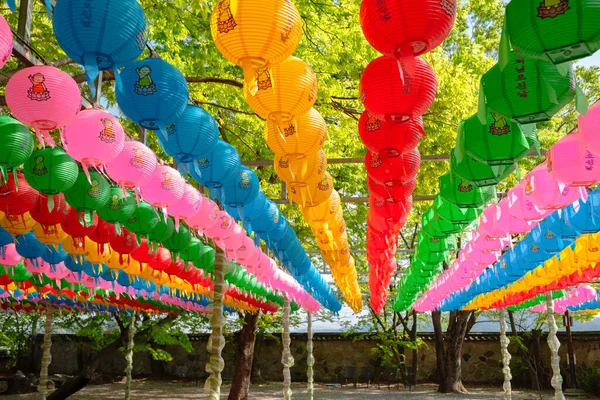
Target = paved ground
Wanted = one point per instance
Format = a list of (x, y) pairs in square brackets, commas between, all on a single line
[(173, 390)]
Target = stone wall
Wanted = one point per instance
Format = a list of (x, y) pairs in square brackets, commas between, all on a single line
[(335, 357)]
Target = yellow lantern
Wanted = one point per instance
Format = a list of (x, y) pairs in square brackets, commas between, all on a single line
[(587, 248), (74, 245), (293, 94), (18, 224), (301, 169), (256, 34), (96, 253), (303, 136), (52, 235), (313, 194), (325, 211), (118, 261), (133, 267)]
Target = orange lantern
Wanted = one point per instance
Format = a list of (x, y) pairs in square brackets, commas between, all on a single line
[(313, 194), (303, 136), (301, 169)]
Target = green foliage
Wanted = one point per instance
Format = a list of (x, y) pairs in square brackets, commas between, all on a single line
[(591, 381), (16, 333)]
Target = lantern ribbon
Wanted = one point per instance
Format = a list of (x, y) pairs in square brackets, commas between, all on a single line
[(504, 50), (11, 5), (481, 110), (90, 64)]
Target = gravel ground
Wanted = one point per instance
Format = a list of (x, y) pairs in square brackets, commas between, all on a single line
[(174, 390)]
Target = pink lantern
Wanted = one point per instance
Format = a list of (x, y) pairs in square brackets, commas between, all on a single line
[(94, 138), (548, 193), (44, 98), (165, 188), (10, 256), (488, 243), (247, 251), (521, 204), (572, 163), (488, 223), (58, 271), (222, 229), (510, 224), (37, 266), (188, 206), (134, 166), (6, 41), (589, 127), (480, 257), (206, 216), (235, 239)]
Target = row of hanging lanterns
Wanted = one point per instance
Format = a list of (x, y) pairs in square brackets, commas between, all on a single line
[(396, 90), (282, 89), (529, 84)]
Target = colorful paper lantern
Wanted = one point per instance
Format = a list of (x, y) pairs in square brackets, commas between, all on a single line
[(391, 138), (588, 126), (188, 206), (522, 205), (480, 174), (219, 166), (29, 247), (547, 192), (50, 235), (497, 142), (6, 39), (88, 195), (242, 190), (303, 136), (526, 90), (44, 98), (463, 193), (555, 31), (298, 170), (54, 255), (121, 205), (77, 225), (392, 190), (124, 242), (154, 94), (405, 28), (162, 231), (311, 194), (179, 240), (193, 135), (103, 234), (571, 163), (105, 36), (164, 189), (51, 171), (94, 138), (143, 220), (134, 166), (455, 214), (18, 142), (324, 212), (386, 170), (18, 224), (293, 94), (389, 95), (17, 196), (256, 41)]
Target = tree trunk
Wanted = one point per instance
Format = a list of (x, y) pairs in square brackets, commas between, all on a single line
[(256, 374), (244, 356), (538, 362), (415, 352), (449, 366)]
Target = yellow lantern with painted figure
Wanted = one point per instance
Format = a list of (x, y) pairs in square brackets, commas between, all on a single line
[(298, 170), (117, 261), (303, 136), (96, 253), (256, 34), (74, 246), (50, 235), (313, 194), (293, 93), (324, 212), (587, 248), (18, 224)]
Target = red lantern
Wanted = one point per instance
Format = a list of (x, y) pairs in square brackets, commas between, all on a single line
[(176, 268), (391, 93), (403, 28), (76, 226), (47, 218), (161, 260), (104, 233), (381, 224), (387, 137), (394, 212), (143, 254), (17, 196), (125, 243), (392, 191), (400, 169)]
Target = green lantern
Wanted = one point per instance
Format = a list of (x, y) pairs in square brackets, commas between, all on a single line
[(17, 144), (19, 273), (437, 245), (497, 142), (478, 173), (162, 231), (554, 30), (88, 195), (143, 220), (193, 250), (436, 226), (206, 260), (427, 258), (120, 206), (463, 193), (179, 240), (455, 214), (51, 171), (526, 90), (39, 280)]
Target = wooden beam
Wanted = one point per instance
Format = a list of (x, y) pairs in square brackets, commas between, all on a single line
[(24, 28)]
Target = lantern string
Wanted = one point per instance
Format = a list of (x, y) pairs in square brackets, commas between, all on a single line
[(48, 8)]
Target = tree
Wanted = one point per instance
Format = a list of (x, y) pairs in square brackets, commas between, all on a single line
[(245, 340)]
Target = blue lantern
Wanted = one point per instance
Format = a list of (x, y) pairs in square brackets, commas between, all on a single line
[(74, 265), (154, 94), (250, 210), (95, 271), (585, 216), (54, 255), (29, 247), (548, 241), (218, 167), (125, 280), (193, 135), (242, 190), (5, 237), (100, 35), (560, 226)]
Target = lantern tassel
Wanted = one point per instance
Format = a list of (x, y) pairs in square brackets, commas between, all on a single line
[(176, 224), (4, 173), (86, 172), (50, 202), (48, 8), (481, 109), (90, 64), (250, 76), (39, 135), (581, 101), (11, 5), (504, 50)]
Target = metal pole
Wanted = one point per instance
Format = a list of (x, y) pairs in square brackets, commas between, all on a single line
[(571, 350)]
